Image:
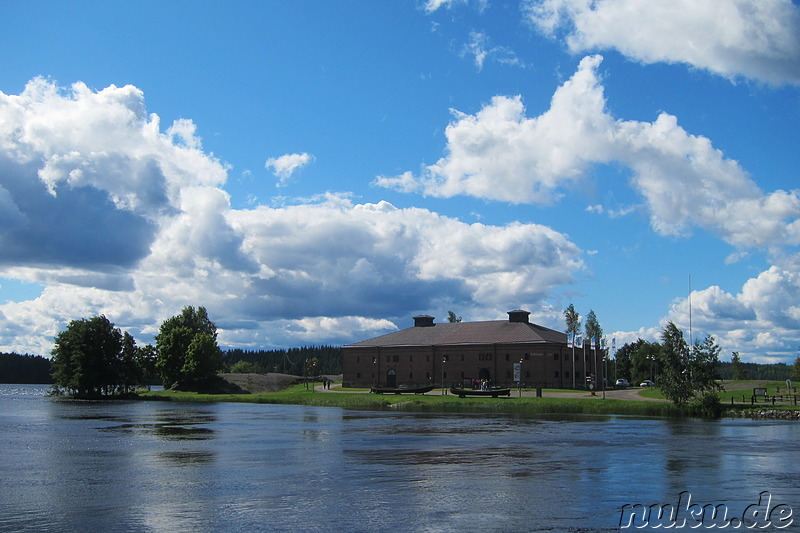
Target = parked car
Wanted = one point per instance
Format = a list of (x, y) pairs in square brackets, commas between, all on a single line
[(622, 383), (647, 383)]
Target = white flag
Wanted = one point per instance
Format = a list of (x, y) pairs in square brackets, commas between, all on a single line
[(570, 339)]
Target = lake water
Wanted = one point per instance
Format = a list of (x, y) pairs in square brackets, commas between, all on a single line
[(158, 466)]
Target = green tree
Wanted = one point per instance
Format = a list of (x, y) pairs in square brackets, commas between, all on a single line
[(593, 328), (687, 374), (246, 367), (203, 360), (86, 357), (572, 319), (311, 370), (795, 375), (637, 361), (704, 366), (623, 361), (146, 359), (452, 318), (737, 371), (186, 346), (674, 381), (128, 369)]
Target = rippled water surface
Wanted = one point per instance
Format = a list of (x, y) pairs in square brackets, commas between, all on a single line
[(158, 466)]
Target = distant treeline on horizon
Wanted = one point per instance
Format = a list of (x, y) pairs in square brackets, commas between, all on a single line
[(15, 368), (291, 361), (24, 369), (773, 372)]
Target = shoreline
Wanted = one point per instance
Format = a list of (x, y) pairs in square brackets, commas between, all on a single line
[(551, 403)]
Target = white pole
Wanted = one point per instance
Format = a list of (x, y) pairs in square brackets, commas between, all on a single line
[(573, 361)]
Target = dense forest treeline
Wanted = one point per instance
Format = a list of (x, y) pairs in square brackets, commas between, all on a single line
[(15, 368), (773, 372), (292, 361)]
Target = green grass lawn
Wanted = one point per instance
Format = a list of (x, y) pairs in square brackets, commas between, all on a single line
[(300, 395)]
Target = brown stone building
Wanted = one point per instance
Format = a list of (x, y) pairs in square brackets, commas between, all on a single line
[(458, 353)]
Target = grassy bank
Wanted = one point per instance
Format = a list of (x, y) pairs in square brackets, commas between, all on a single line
[(298, 395)]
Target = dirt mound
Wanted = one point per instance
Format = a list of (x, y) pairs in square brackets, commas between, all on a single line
[(259, 383)]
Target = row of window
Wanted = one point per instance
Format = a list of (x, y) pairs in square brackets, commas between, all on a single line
[(482, 356), (508, 375)]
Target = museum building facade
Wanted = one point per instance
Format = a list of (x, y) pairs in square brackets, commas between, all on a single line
[(462, 353)]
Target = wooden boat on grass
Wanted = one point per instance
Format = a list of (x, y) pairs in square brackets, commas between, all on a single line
[(401, 390), (494, 393)]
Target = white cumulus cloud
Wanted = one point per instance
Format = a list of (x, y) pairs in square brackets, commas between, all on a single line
[(286, 165), (499, 153), (761, 322), (756, 39)]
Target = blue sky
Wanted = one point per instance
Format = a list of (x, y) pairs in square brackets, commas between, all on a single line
[(316, 172)]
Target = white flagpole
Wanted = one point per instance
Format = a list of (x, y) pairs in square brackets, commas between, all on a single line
[(571, 344)]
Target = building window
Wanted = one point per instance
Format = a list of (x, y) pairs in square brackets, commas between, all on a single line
[(462, 356), (527, 356), (410, 358), (566, 374), (444, 375), (508, 373), (555, 357), (396, 358), (358, 359), (388, 358), (507, 357), (556, 374), (428, 358), (358, 374), (427, 375), (527, 373), (578, 374), (410, 375)]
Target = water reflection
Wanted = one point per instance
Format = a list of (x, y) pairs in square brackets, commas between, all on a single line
[(186, 457), (168, 425)]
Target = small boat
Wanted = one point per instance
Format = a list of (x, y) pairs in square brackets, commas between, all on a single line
[(494, 393), (401, 390)]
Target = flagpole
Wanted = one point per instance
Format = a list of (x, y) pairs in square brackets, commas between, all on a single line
[(594, 363), (571, 344), (691, 340), (583, 349)]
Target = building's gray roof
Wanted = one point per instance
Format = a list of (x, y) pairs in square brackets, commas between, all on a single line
[(489, 332)]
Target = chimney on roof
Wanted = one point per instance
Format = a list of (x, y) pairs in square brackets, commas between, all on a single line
[(423, 321), (518, 315)]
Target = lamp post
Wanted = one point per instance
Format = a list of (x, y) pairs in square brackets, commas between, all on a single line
[(444, 360), (374, 371), (519, 378), (605, 370)]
